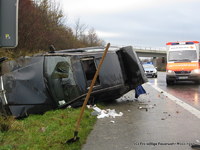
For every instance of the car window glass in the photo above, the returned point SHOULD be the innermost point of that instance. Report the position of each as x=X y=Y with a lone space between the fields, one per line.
x=60 y=79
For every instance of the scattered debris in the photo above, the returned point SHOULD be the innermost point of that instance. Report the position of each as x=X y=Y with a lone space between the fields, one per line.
x=69 y=106
x=112 y=121
x=177 y=112
x=105 y=113
x=89 y=106
x=109 y=113
x=163 y=118
x=143 y=108
x=97 y=109
x=96 y=112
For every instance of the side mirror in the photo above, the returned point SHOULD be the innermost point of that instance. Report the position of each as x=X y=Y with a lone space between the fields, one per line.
x=9 y=23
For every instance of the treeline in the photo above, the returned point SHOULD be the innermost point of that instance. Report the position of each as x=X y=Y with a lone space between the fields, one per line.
x=41 y=23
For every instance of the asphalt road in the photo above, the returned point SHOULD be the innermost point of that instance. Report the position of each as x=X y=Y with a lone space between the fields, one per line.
x=153 y=122
x=188 y=92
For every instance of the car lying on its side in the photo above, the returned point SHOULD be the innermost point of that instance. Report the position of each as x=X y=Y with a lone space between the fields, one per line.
x=150 y=70
x=37 y=84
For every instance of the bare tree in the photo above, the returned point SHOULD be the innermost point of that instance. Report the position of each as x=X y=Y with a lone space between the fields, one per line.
x=92 y=37
x=79 y=29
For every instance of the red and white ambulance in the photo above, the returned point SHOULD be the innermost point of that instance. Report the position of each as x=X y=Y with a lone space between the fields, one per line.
x=183 y=61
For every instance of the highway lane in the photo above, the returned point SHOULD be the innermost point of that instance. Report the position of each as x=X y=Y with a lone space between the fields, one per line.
x=188 y=92
x=163 y=121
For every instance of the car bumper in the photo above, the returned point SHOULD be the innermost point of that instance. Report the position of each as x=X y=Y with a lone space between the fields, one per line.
x=183 y=77
x=151 y=74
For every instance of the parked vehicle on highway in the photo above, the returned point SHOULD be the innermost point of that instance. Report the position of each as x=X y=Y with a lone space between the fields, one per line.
x=183 y=62
x=150 y=70
x=55 y=80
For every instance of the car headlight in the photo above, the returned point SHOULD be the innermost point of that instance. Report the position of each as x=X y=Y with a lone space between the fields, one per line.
x=195 y=71
x=170 y=72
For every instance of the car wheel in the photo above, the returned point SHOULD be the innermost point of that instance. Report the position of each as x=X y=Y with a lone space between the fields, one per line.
x=169 y=82
x=197 y=82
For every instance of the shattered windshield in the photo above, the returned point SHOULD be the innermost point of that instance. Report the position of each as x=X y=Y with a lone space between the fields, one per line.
x=183 y=55
x=60 y=78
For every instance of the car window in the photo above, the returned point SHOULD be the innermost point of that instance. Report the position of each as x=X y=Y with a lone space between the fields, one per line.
x=148 y=66
x=60 y=79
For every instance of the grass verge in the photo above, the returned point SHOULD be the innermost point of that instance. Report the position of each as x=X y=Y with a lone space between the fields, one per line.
x=45 y=132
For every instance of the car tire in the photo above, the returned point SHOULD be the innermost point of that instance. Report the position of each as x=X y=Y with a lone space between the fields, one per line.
x=169 y=82
x=197 y=82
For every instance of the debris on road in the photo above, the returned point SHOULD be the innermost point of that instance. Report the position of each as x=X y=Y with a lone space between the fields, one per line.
x=143 y=108
x=100 y=113
x=112 y=121
x=97 y=109
x=109 y=113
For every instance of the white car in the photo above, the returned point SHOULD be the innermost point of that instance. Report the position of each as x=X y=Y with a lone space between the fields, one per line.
x=150 y=70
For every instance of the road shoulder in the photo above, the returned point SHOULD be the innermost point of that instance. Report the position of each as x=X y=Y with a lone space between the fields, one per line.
x=152 y=122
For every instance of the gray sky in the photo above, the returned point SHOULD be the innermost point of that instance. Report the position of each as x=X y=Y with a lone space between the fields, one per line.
x=146 y=23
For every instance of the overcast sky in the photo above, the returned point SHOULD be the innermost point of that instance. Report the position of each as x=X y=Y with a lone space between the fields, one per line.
x=146 y=23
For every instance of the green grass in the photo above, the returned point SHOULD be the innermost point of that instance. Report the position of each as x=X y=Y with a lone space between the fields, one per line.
x=45 y=132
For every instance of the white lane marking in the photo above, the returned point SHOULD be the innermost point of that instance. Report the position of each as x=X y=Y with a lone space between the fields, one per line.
x=186 y=106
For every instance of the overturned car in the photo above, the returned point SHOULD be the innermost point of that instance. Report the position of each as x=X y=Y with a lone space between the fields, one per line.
x=37 y=84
